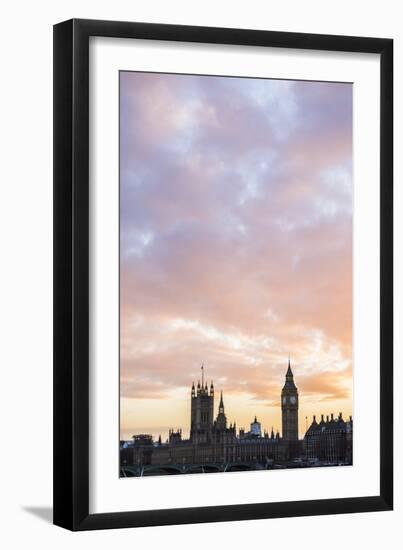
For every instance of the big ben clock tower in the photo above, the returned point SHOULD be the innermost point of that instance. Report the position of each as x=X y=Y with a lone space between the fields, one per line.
x=289 y=407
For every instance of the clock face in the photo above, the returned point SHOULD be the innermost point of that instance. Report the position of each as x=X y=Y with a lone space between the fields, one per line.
x=293 y=400
x=284 y=400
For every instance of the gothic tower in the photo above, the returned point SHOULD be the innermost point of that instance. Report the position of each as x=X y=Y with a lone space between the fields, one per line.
x=289 y=407
x=202 y=411
x=221 y=422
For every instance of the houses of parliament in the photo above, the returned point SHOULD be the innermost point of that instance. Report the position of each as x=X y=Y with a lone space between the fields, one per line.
x=213 y=445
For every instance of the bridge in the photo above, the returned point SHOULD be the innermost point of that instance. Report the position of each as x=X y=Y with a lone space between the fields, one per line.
x=177 y=469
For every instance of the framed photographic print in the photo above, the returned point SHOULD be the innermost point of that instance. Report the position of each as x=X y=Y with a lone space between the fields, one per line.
x=223 y=274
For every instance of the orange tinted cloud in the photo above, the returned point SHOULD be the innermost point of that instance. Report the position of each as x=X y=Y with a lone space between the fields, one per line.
x=236 y=236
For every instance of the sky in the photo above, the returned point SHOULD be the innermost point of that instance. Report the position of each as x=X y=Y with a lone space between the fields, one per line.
x=235 y=247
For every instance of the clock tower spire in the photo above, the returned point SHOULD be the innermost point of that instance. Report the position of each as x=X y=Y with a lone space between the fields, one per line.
x=289 y=407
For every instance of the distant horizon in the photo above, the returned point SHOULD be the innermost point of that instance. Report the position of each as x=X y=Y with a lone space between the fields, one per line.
x=235 y=246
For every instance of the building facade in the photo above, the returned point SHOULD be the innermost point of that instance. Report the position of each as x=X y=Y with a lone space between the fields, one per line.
x=330 y=440
x=289 y=407
x=202 y=412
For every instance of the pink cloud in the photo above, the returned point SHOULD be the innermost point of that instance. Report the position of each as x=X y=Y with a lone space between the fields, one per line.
x=236 y=234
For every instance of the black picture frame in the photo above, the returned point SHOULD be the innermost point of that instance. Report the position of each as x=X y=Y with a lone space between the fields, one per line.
x=71 y=274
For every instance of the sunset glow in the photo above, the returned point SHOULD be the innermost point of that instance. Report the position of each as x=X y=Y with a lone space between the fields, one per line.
x=235 y=246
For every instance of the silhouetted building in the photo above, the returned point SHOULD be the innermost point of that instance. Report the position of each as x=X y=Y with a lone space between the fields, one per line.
x=214 y=442
x=175 y=436
x=289 y=407
x=255 y=428
x=202 y=412
x=330 y=440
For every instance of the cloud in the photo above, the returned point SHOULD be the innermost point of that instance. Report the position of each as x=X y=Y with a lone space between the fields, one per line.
x=236 y=234
x=327 y=386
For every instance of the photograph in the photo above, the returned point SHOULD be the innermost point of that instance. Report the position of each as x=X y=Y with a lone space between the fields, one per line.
x=236 y=274
x=200 y=285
